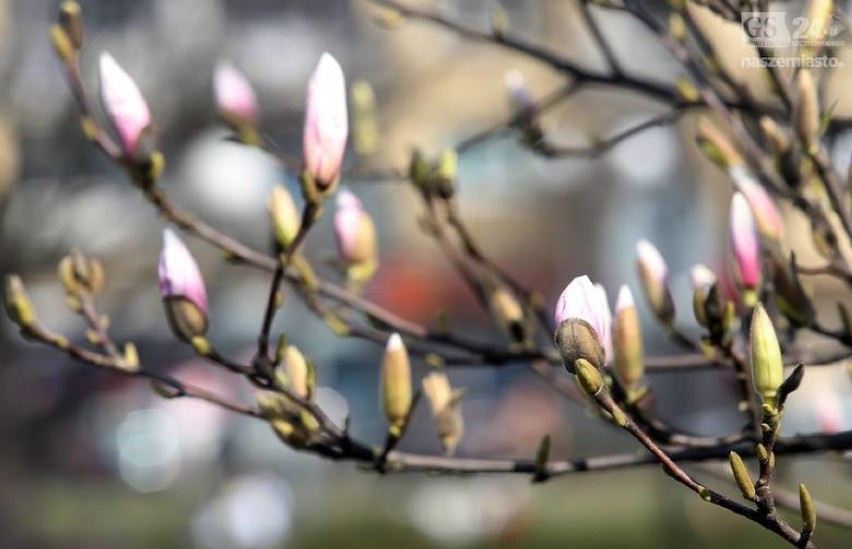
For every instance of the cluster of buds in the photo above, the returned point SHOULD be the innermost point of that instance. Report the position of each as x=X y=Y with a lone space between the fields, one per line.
x=436 y=178
x=294 y=424
x=237 y=102
x=183 y=292
x=80 y=274
x=446 y=409
x=355 y=233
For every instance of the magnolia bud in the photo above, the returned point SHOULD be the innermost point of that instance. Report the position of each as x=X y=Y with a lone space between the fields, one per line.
x=655 y=281
x=766 y=362
x=18 y=304
x=818 y=21
x=744 y=243
x=766 y=214
x=296 y=369
x=284 y=216
x=365 y=123
x=124 y=105
x=520 y=97
x=741 y=476
x=326 y=124
x=778 y=139
x=576 y=339
x=356 y=234
x=583 y=323
x=702 y=279
x=80 y=273
x=588 y=376
x=446 y=408
x=716 y=145
x=72 y=23
x=807 y=111
x=629 y=355
x=507 y=312
x=396 y=383
x=182 y=289
x=808 y=510
x=235 y=98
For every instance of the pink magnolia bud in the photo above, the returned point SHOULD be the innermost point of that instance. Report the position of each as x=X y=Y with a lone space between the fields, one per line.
x=655 y=280
x=326 y=123
x=766 y=214
x=124 y=105
x=179 y=273
x=701 y=277
x=583 y=300
x=353 y=227
x=234 y=95
x=744 y=241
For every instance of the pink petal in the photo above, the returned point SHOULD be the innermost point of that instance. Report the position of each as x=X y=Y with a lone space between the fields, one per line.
x=746 y=246
x=234 y=94
x=123 y=102
x=179 y=273
x=326 y=122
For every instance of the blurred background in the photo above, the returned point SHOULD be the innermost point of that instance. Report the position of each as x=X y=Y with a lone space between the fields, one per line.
x=92 y=460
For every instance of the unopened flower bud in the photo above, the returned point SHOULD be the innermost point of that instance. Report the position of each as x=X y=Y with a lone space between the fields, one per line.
x=807 y=116
x=235 y=98
x=654 y=275
x=766 y=362
x=588 y=376
x=629 y=354
x=808 y=510
x=583 y=323
x=779 y=141
x=520 y=97
x=741 y=476
x=770 y=224
x=326 y=124
x=703 y=280
x=418 y=169
x=793 y=300
x=72 y=22
x=296 y=369
x=716 y=145
x=507 y=312
x=396 y=383
x=124 y=105
x=355 y=232
x=446 y=409
x=182 y=289
x=744 y=243
x=284 y=216
x=18 y=304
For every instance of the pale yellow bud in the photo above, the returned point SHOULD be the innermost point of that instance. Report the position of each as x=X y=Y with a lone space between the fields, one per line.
x=284 y=216
x=807 y=111
x=629 y=353
x=296 y=369
x=446 y=408
x=396 y=383
x=716 y=145
x=766 y=361
x=18 y=304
